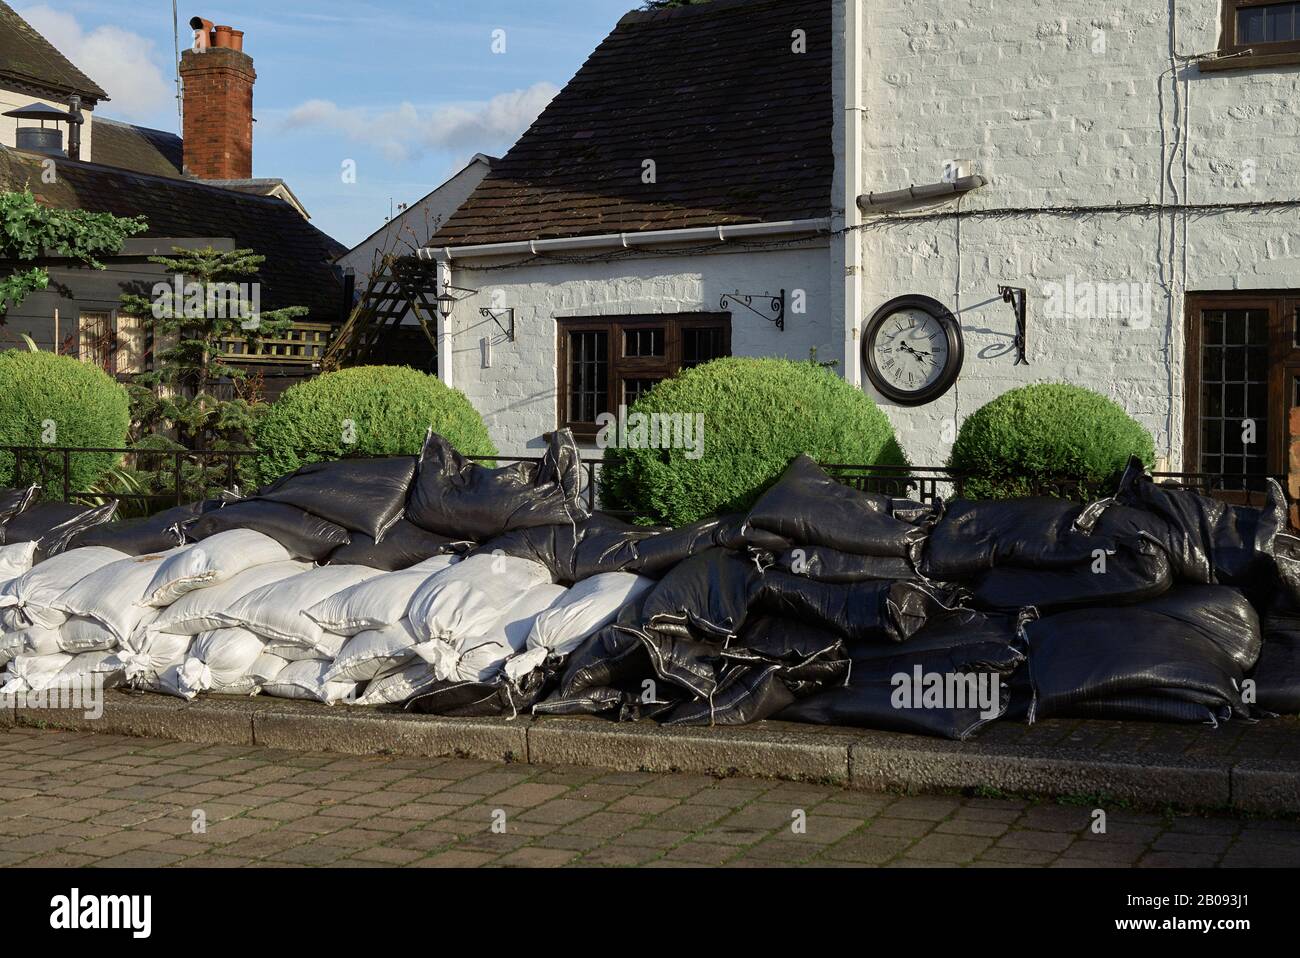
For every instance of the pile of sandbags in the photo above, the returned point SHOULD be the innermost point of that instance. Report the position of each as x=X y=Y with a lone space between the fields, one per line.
x=458 y=589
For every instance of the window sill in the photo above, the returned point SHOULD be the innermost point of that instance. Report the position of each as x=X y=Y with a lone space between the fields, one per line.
x=1255 y=61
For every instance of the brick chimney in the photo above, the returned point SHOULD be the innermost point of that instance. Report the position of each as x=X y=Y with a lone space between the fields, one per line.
x=218 y=83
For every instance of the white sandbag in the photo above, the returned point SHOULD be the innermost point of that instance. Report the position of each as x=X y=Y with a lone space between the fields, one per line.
x=218 y=661
x=306 y=680
x=212 y=562
x=32 y=673
x=35 y=594
x=266 y=668
x=326 y=646
x=200 y=611
x=144 y=665
x=402 y=683
x=88 y=668
x=113 y=594
x=469 y=598
x=81 y=634
x=582 y=612
x=377 y=603
x=16 y=559
x=368 y=655
x=33 y=640
x=275 y=612
x=480 y=658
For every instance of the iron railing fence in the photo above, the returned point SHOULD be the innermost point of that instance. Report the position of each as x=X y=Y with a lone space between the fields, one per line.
x=177 y=477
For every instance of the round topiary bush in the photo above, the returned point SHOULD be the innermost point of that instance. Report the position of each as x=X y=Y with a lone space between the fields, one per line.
x=51 y=400
x=758 y=415
x=365 y=411
x=1040 y=433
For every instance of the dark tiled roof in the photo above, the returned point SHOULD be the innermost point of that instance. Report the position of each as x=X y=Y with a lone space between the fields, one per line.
x=28 y=58
x=135 y=148
x=297 y=271
x=738 y=124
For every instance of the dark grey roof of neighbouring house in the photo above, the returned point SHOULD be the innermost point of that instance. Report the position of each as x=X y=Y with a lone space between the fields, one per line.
x=28 y=58
x=738 y=125
x=298 y=270
x=135 y=148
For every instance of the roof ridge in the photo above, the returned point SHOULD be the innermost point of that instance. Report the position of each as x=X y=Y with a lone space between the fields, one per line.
x=694 y=9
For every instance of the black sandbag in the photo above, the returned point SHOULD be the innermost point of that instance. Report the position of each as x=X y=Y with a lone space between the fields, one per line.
x=1209 y=540
x=615 y=657
x=829 y=565
x=804 y=653
x=361 y=495
x=1220 y=613
x=1132 y=573
x=859 y=612
x=1277 y=675
x=14 y=501
x=480 y=699
x=616 y=704
x=745 y=695
x=737 y=532
x=304 y=535
x=1286 y=580
x=885 y=694
x=707 y=596
x=1080 y=659
x=1152 y=708
x=137 y=537
x=405 y=545
x=660 y=553
x=456 y=497
x=952 y=630
x=52 y=525
x=974 y=537
x=695 y=665
x=808 y=507
x=574 y=552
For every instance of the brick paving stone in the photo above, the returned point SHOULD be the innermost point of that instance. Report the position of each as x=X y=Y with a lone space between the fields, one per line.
x=76 y=799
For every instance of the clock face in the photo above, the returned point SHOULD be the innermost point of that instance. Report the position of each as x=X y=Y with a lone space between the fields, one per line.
x=913 y=350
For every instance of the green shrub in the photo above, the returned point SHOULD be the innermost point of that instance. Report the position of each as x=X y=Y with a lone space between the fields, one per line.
x=1045 y=432
x=759 y=414
x=365 y=411
x=51 y=400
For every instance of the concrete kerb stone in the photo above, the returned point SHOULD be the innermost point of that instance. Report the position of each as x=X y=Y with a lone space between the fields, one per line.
x=7 y=708
x=886 y=762
x=771 y=750
x=314 y=727
x=1266 y=785
x=151 y=716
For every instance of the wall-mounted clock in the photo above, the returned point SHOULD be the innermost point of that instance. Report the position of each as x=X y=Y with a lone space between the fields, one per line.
x=912 y=350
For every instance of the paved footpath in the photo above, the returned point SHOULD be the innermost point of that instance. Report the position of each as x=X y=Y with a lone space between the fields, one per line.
x=69 y=799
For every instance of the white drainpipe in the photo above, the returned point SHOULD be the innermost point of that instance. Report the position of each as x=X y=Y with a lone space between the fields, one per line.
x=854 y=72
x=446 y=366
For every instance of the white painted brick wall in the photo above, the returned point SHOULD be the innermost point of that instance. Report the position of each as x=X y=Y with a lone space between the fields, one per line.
x=517 y=395
x=1016 y=87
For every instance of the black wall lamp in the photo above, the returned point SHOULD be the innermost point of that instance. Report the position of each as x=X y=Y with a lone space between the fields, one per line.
x=1018 y=297
x=775 y=305
x=447 y=302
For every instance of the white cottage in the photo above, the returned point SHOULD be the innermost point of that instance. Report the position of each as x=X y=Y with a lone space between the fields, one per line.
x=671 y=205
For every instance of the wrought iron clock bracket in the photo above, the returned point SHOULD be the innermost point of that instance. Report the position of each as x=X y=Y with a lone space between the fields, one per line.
x=775 y=304
x=1018 y=297
x=496 y=315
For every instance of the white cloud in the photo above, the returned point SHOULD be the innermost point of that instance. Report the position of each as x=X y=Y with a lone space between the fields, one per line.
x=462 y=127
x=123 y=63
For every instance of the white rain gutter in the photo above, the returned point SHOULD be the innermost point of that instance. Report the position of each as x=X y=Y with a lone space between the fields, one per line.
x=720 y=234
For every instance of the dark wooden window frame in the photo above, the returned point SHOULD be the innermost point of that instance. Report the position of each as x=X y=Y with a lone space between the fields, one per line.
x=1265 y=54
x=1284 y=366
x=621 y=367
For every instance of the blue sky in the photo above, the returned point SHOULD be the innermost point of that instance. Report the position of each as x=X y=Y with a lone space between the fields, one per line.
x=408 y=90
